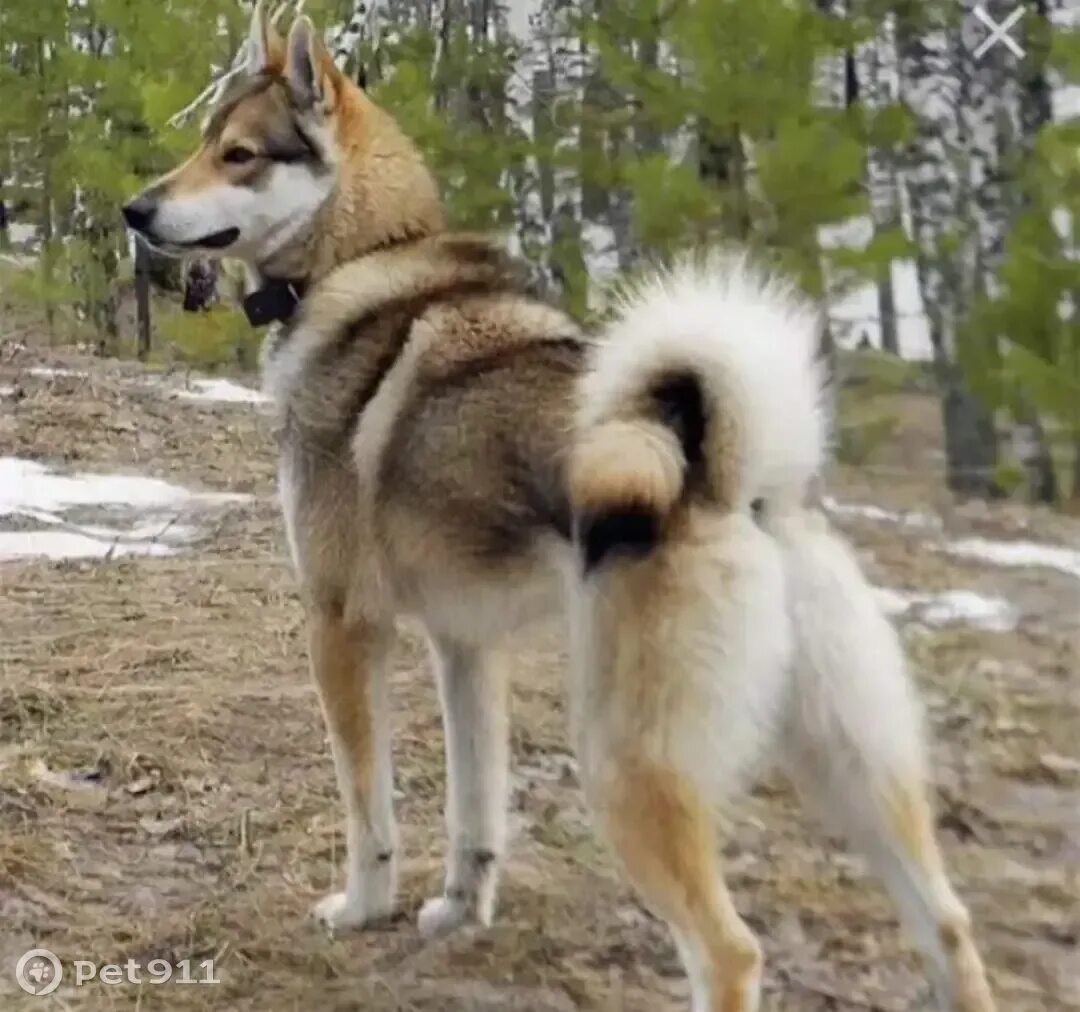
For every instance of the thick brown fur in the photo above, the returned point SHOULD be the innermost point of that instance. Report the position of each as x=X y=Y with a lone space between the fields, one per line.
x=444 y=396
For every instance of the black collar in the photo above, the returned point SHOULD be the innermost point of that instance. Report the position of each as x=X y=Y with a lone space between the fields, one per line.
x=276 y=300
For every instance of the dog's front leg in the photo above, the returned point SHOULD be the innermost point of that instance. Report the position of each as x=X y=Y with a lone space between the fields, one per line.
x=349 y=660
x=473 y=692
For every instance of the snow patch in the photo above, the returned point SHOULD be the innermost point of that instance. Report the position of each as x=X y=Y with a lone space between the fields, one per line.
x=58 y=545
x=950 y=607
x=31 y=491
x=1018 y=553
x=992 y=613
x=48 y=372
x=867 y=511
x=892 y=602
x=28 y=485
x=222 y=391
x=162 y=527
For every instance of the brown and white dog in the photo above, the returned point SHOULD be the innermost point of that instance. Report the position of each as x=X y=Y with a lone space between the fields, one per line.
x=454 y=450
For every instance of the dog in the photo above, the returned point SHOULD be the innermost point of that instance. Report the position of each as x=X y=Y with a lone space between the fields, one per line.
x=455 y=450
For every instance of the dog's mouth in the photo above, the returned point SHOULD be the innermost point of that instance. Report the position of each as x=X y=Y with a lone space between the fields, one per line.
x=215 y=240
x=172 y=247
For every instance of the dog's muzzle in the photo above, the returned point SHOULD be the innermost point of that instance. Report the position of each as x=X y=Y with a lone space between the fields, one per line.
x=139 y=217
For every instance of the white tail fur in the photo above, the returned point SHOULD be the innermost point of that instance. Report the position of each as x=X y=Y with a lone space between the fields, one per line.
x=738 y=632
x=742 y=342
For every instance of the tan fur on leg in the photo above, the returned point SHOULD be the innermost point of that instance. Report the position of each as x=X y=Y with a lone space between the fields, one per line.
x=913 y=826
x=665 y=837
x=348 y=660
x=891 y=822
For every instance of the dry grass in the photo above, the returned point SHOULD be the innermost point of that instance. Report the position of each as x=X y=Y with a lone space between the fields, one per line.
x=165 y=789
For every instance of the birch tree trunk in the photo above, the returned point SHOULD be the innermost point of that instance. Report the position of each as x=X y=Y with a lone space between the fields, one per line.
x=875 y=88
x=526 y=179
x=953 y=182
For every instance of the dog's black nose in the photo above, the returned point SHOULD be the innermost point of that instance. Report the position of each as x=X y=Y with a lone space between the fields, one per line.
x=140 y=212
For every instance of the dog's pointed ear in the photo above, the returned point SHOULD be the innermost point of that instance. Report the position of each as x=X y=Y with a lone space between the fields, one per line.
x=309 y=68
x=264 y=45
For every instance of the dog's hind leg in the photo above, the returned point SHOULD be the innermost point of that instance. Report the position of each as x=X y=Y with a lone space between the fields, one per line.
x=663 y=832
x=349 y=660
x=473 y=692
x=681 y=663
x=854 y=747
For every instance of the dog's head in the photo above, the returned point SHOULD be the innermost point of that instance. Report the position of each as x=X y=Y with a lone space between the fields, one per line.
x=268 y=158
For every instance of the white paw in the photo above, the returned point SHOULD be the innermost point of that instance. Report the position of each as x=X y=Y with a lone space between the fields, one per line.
x=337 y=912
x=442 y=915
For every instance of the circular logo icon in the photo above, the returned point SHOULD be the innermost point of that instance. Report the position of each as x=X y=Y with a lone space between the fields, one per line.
x=39 y=972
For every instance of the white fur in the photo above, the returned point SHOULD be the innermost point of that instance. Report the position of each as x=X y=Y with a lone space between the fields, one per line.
x=720 y=638
x=473 y=696
x=752 y=339
x=697 y=686
x=770 y=639
x=852 y=687
x=696 y=964
x=854 y=740
x=269 y=218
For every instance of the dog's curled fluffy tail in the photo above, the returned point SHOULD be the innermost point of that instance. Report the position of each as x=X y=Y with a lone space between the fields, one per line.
x=706 y=388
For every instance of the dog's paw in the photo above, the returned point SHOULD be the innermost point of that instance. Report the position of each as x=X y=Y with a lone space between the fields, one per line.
x=442 y=915
x=337 y=912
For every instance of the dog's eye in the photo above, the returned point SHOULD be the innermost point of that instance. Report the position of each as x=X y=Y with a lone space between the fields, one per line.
x=238 y=155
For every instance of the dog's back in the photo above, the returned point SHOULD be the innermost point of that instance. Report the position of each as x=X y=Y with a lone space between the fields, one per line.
x=425 y=398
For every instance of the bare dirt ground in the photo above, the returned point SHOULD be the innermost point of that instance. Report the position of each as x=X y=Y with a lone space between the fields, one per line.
x=166 y=791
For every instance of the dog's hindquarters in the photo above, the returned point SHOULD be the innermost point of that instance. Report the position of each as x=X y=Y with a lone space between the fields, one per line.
x=853 y=745
x=681 y=646
x=680 y=661
x=727 y=642
x=716 y=613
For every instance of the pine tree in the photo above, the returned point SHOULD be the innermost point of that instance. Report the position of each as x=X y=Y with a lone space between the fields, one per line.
x=85 y=105
x=1035 y=301
x=599 y=135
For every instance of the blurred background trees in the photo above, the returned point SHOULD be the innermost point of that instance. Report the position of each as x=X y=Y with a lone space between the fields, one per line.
x=925 y=194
